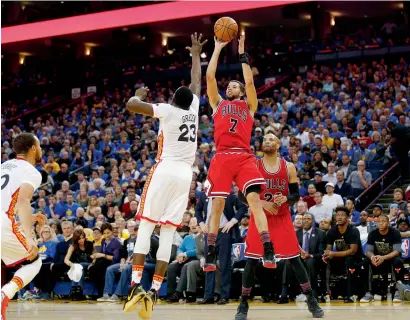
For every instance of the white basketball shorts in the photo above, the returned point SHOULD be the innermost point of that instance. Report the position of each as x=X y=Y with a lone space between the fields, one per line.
x=165 y=196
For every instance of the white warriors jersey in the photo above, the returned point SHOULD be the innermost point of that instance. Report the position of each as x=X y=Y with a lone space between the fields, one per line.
x=177 y=133
x=15 y=173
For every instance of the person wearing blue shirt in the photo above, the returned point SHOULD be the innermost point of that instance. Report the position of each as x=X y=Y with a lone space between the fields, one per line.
x=56 y=208
x=47 y=251
x=42 y=205
x=98 y=192
x=185 y=253
x=70 y=207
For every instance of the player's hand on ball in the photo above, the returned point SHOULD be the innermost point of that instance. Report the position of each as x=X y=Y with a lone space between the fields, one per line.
x=241 y=47
x=219 y=44
x=197 y=45
x=142 y=93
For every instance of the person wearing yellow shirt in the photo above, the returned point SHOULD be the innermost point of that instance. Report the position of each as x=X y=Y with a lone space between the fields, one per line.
x=53 y=164
x=326 y=139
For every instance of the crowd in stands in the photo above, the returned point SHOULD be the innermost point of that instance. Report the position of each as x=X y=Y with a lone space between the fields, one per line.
x=336 y=124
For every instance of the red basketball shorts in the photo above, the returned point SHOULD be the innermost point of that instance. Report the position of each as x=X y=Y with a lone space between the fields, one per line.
x=283 y=236
x=228 y=167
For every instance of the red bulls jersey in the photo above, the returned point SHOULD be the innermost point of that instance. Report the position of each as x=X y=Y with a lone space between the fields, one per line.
x=233 y=125
x=276 y=182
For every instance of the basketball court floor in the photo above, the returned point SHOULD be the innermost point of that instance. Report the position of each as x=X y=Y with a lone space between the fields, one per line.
x=67 y=310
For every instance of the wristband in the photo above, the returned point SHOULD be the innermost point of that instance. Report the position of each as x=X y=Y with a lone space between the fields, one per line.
x=244 y=58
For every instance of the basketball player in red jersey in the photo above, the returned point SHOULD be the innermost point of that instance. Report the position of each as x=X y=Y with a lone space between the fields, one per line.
x=233 y=161
x=281 y=190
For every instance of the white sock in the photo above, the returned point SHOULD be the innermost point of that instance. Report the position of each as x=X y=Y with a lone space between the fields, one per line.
x=21 y=278
x=136 y=274
x=157 y=282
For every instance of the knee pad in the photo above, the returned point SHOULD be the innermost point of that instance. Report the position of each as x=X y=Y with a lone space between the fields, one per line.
x=254 y=188
x=143 y=243
x=165 y=243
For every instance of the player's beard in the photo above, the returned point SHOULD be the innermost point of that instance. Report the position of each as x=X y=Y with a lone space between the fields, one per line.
x=38 y=157
x=270 y=150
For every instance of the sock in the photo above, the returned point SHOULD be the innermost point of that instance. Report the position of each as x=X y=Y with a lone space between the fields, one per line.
x=21 y=278
x=157 y=282
x=136 y=274
x=211 y=239
x=306 y=289
x=246 y=292
x=265 y=236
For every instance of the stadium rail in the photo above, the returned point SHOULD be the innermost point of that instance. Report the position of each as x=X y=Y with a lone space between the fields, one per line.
x=372 y=187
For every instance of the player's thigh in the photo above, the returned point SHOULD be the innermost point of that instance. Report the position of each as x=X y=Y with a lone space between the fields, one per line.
x=151 y=205
x=177 y=198
x=254 y=248
x=13 y=246
x=247 y=173
x=220 y=176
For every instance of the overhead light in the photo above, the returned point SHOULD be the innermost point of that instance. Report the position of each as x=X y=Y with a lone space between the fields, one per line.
x=170 y=51
x=332 y=21
x=164 y=40
x=190 y=54
x=242 y=32
x=22 y=59
x=87 y=51
x=203 y=55
x=276 y=53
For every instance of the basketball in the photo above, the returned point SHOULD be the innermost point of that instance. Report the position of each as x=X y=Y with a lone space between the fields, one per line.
x=226 y=29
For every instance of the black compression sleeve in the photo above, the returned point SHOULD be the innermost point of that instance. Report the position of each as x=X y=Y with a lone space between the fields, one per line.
x=293 y=193
x=242 y=198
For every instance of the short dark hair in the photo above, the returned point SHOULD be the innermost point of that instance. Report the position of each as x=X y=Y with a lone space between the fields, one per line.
x=241 y=85
x=183 y=97
x=105 y=226
x=384 y=216
x=344 y=209
x=23 y=142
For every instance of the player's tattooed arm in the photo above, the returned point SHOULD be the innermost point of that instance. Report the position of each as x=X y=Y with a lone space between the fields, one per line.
x=196 y=74
x=251 y=96
x=211 y=85
x=135 y=104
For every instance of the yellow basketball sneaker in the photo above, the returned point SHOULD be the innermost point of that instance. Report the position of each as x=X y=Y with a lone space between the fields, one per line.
x=148 y=302
x=135 y=295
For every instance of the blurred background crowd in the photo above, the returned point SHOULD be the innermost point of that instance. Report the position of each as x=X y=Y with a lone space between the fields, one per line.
x=338 y=101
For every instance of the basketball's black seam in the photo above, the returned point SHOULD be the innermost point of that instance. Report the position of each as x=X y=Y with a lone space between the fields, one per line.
x=222 y=35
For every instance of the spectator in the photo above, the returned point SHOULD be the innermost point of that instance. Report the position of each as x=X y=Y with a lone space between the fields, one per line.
x=346 y=167
x=320 y=211
x=97 y=235
x=312 y=242
x=243 y=227
x=124 y=268
x=354 y=214
x=384 y=250
x=342 y=188
x=363 y=154
x=98 y=191
x=58 y=267
x=301 y=208
x=298 y=222
x=185 y=253
x=320 y=185
x=47 y=249
x=398 y=195
x=400 y=141
x=331 y=199
x=364 y=227
x=348 y=254
x=403 y=225
x=325 y=224
x=310 y=198
x=79 y=252
x=331 y=175
x=110 y=254
x=360 y=179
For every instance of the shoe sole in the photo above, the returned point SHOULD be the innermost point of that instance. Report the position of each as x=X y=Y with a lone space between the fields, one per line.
x=209 y=268
x=241 y=317
x=145 y=312
x=319 y=315
x=132 y=304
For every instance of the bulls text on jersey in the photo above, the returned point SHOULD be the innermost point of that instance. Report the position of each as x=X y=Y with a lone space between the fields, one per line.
x=278 y=184
x=233 y=109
